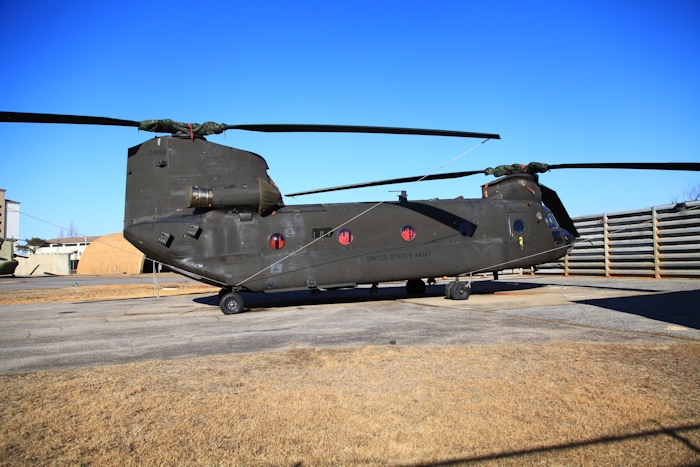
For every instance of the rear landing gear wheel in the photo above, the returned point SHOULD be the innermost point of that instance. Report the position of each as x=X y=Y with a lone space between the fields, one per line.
x=373 y=290
x=415 y=287
x=460 y=290
x=231 y=303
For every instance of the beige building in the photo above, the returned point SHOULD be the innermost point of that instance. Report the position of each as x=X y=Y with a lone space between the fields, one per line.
x=106 y=255
x=112 y=254
x=74 y=247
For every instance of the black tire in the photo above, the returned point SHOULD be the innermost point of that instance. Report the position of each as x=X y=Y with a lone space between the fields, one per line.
x=460 y=291
x=231 y=303
x=223 y=292
x=415 y=287
x=448 y=289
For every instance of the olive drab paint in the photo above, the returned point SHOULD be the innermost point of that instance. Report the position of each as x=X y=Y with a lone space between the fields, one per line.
x=233 y=240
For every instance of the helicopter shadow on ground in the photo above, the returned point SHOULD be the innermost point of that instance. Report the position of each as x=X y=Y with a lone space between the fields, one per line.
x=678 y=433
x=360 y=294
x=613 y=287
x=679 y=308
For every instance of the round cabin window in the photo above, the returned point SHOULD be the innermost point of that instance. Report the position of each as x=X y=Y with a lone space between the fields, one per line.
x=408 y=233
x=276 y=241
x=518 y=226
x=345 y=237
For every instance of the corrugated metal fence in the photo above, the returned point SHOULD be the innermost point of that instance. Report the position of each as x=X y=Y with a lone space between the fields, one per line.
x=662 y=241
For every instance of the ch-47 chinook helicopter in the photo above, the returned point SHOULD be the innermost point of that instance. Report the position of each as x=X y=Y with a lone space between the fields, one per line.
x=212 y=213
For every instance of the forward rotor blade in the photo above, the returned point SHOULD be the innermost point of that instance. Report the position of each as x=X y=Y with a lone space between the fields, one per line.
x=532 y=168
x=690 y=166
x=390 y=182
x=21 y=117
x=289 y=128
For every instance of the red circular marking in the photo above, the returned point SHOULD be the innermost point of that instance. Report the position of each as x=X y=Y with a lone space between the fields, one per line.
x=345 y=237
x=276 y=241
x=408 y=233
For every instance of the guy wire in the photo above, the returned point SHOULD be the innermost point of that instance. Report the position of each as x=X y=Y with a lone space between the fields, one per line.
x=360 y=214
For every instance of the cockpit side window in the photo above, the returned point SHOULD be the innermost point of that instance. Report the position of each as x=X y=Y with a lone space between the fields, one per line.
x=551 y=221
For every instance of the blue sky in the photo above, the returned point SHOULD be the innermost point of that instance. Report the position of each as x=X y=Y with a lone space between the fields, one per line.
x=561 y=82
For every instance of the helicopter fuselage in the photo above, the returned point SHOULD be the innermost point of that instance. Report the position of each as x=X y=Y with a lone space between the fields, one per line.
x=200 y=208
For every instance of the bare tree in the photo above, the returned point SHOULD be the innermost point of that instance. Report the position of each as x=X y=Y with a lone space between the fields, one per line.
x=689 y=194
x=72 y=229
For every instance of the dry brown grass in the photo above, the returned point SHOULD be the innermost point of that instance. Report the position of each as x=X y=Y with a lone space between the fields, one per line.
x=559 y=404
x=101 y=292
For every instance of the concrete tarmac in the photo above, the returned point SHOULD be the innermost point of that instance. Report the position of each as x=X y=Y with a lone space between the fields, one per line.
x=520 y=310
x=54 y=282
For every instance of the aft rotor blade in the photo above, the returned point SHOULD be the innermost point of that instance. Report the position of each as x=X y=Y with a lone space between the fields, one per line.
x=390 y=182
x=163 y=126
x=690 y=166
x=294 y=128
x=21 y=117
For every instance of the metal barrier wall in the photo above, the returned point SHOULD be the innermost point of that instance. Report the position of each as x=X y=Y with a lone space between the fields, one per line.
x=663 y=241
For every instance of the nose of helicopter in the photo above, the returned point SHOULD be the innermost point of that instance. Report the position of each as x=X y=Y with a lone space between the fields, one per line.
x=568 y=240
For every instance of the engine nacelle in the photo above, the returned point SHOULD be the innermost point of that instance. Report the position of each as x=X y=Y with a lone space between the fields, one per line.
x=263 y=195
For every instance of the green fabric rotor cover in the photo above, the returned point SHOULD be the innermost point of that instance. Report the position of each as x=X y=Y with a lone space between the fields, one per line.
x=170 y=126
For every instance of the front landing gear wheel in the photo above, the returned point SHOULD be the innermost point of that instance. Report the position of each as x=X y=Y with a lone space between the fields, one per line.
x=223 y=292
x=415 y=287
x=231 y=303
x=460 y=290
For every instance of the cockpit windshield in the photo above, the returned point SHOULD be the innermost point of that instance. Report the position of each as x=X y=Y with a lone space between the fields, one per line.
x=551 y=220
